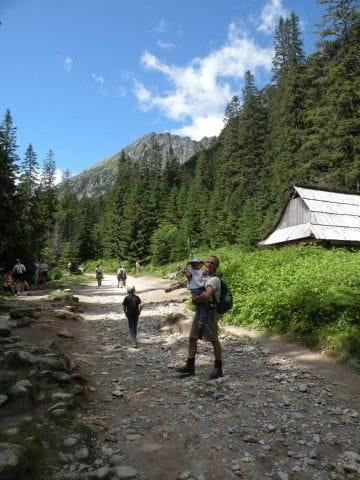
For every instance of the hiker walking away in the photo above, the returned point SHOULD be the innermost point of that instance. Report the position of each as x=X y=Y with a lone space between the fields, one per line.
x=99 y=275
x=43 y=271
x=121 y=276
x=132 y=306
x=209 y=327
x=137 y=267
x=196 y=284
x=18 y=274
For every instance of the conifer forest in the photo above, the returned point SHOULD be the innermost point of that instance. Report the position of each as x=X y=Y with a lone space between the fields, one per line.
x=301 y=128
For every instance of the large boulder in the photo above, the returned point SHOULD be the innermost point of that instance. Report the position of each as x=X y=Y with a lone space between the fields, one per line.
x=20 y=358
x=31 y=312
x=12 y=461
x=5 y=330
x=54 y=363
x=21 y=389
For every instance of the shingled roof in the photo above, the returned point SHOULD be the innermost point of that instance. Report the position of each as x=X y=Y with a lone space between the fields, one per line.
x=318 y=214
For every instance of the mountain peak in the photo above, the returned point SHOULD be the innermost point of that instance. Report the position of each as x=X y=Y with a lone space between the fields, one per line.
x=98 y=179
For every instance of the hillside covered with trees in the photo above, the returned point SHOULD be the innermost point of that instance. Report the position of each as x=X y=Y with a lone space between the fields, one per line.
x=303 y=127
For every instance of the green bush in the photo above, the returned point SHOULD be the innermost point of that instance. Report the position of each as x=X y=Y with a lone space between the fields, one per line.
x=56 y=273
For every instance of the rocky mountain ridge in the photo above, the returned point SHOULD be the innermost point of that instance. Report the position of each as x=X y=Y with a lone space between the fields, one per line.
x=98 y=179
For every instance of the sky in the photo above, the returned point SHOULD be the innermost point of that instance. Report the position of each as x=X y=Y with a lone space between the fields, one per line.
x=86 y=78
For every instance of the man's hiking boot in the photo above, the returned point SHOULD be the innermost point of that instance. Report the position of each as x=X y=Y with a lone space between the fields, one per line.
x=217 y=372
x=188 y=370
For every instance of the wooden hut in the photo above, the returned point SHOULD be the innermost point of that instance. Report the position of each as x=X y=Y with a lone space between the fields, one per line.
x=324 y=216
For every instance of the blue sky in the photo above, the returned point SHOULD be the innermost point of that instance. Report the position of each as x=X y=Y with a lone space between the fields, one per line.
x=87 y=77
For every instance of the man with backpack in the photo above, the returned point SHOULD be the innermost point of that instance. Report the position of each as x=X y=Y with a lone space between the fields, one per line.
x=219 y=299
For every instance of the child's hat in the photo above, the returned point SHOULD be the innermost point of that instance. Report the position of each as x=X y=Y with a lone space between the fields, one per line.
x=196 y=260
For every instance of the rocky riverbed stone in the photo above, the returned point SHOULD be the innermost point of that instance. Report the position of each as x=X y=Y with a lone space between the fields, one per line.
x=124 y=472
x=12 y=461
x=3 y=400
x=100 y=473
x=65 y=334
x=20 y=358
x=21 y=389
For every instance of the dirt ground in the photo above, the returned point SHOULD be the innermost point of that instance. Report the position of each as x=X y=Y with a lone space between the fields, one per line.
x=280 y=411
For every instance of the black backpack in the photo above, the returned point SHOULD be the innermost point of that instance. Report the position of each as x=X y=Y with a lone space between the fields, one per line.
x=225 y=302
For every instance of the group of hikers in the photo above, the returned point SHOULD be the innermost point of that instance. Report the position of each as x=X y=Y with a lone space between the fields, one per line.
x=211 y=298
x=121 y=276
x=15 y=280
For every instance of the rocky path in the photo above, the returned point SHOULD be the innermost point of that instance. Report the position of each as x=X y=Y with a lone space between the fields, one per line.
x=271 y=416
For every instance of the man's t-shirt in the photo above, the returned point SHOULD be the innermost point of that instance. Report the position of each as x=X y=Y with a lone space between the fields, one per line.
x=214 y=282
x=19 y=268
x=131 y=304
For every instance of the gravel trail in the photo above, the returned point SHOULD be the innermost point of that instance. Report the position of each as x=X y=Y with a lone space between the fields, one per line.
x=273 y=415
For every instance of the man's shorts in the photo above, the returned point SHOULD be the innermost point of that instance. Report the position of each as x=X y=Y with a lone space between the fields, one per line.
x=19 y=277
x=205 y=329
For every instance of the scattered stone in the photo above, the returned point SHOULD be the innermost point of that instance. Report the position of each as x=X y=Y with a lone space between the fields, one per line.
x=303 y=388
x=184 y=476
x=61 y=377
x=70 y=442
x=82 y=454
x=3 y=400
x=17 y=313
x=116 y=460
x=65 y=334
x=283 y=475
x=22 y=322
x=5 y=330
x=12 y=461
x=21 y=389
x=125 y=472
x=20 y=358
x=61 y=396
x=101 y=473
x=250 y=439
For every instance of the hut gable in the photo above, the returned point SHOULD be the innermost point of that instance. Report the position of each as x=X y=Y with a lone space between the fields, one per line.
x=318 y=214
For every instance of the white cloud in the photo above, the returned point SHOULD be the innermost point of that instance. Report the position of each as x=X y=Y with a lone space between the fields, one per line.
x=272 y=10
x=58 y=176
x=201 y=89
x=161 y=27
x=98 y=79
x=201 y=127
x=67 y=64
x=165 y=45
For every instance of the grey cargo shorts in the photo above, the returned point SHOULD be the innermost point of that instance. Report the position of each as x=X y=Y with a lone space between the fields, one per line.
x=205 y=329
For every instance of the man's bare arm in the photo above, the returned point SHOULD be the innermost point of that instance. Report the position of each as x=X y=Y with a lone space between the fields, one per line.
x=205 y=296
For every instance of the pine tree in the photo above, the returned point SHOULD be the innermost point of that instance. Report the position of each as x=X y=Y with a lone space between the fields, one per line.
x=29 y=173
x=331 y=149
x=8 y=214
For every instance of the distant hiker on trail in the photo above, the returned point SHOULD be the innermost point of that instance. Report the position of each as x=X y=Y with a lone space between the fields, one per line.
x=132 y=306
x=18 y=274
x=196 y=284
x=137 y=267
x=208 y=328
x=99 y=275
x=121 y=276
x=41 y=269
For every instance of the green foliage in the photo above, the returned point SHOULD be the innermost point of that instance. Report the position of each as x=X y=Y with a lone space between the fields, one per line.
x=163 y=244
x=306 y=292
